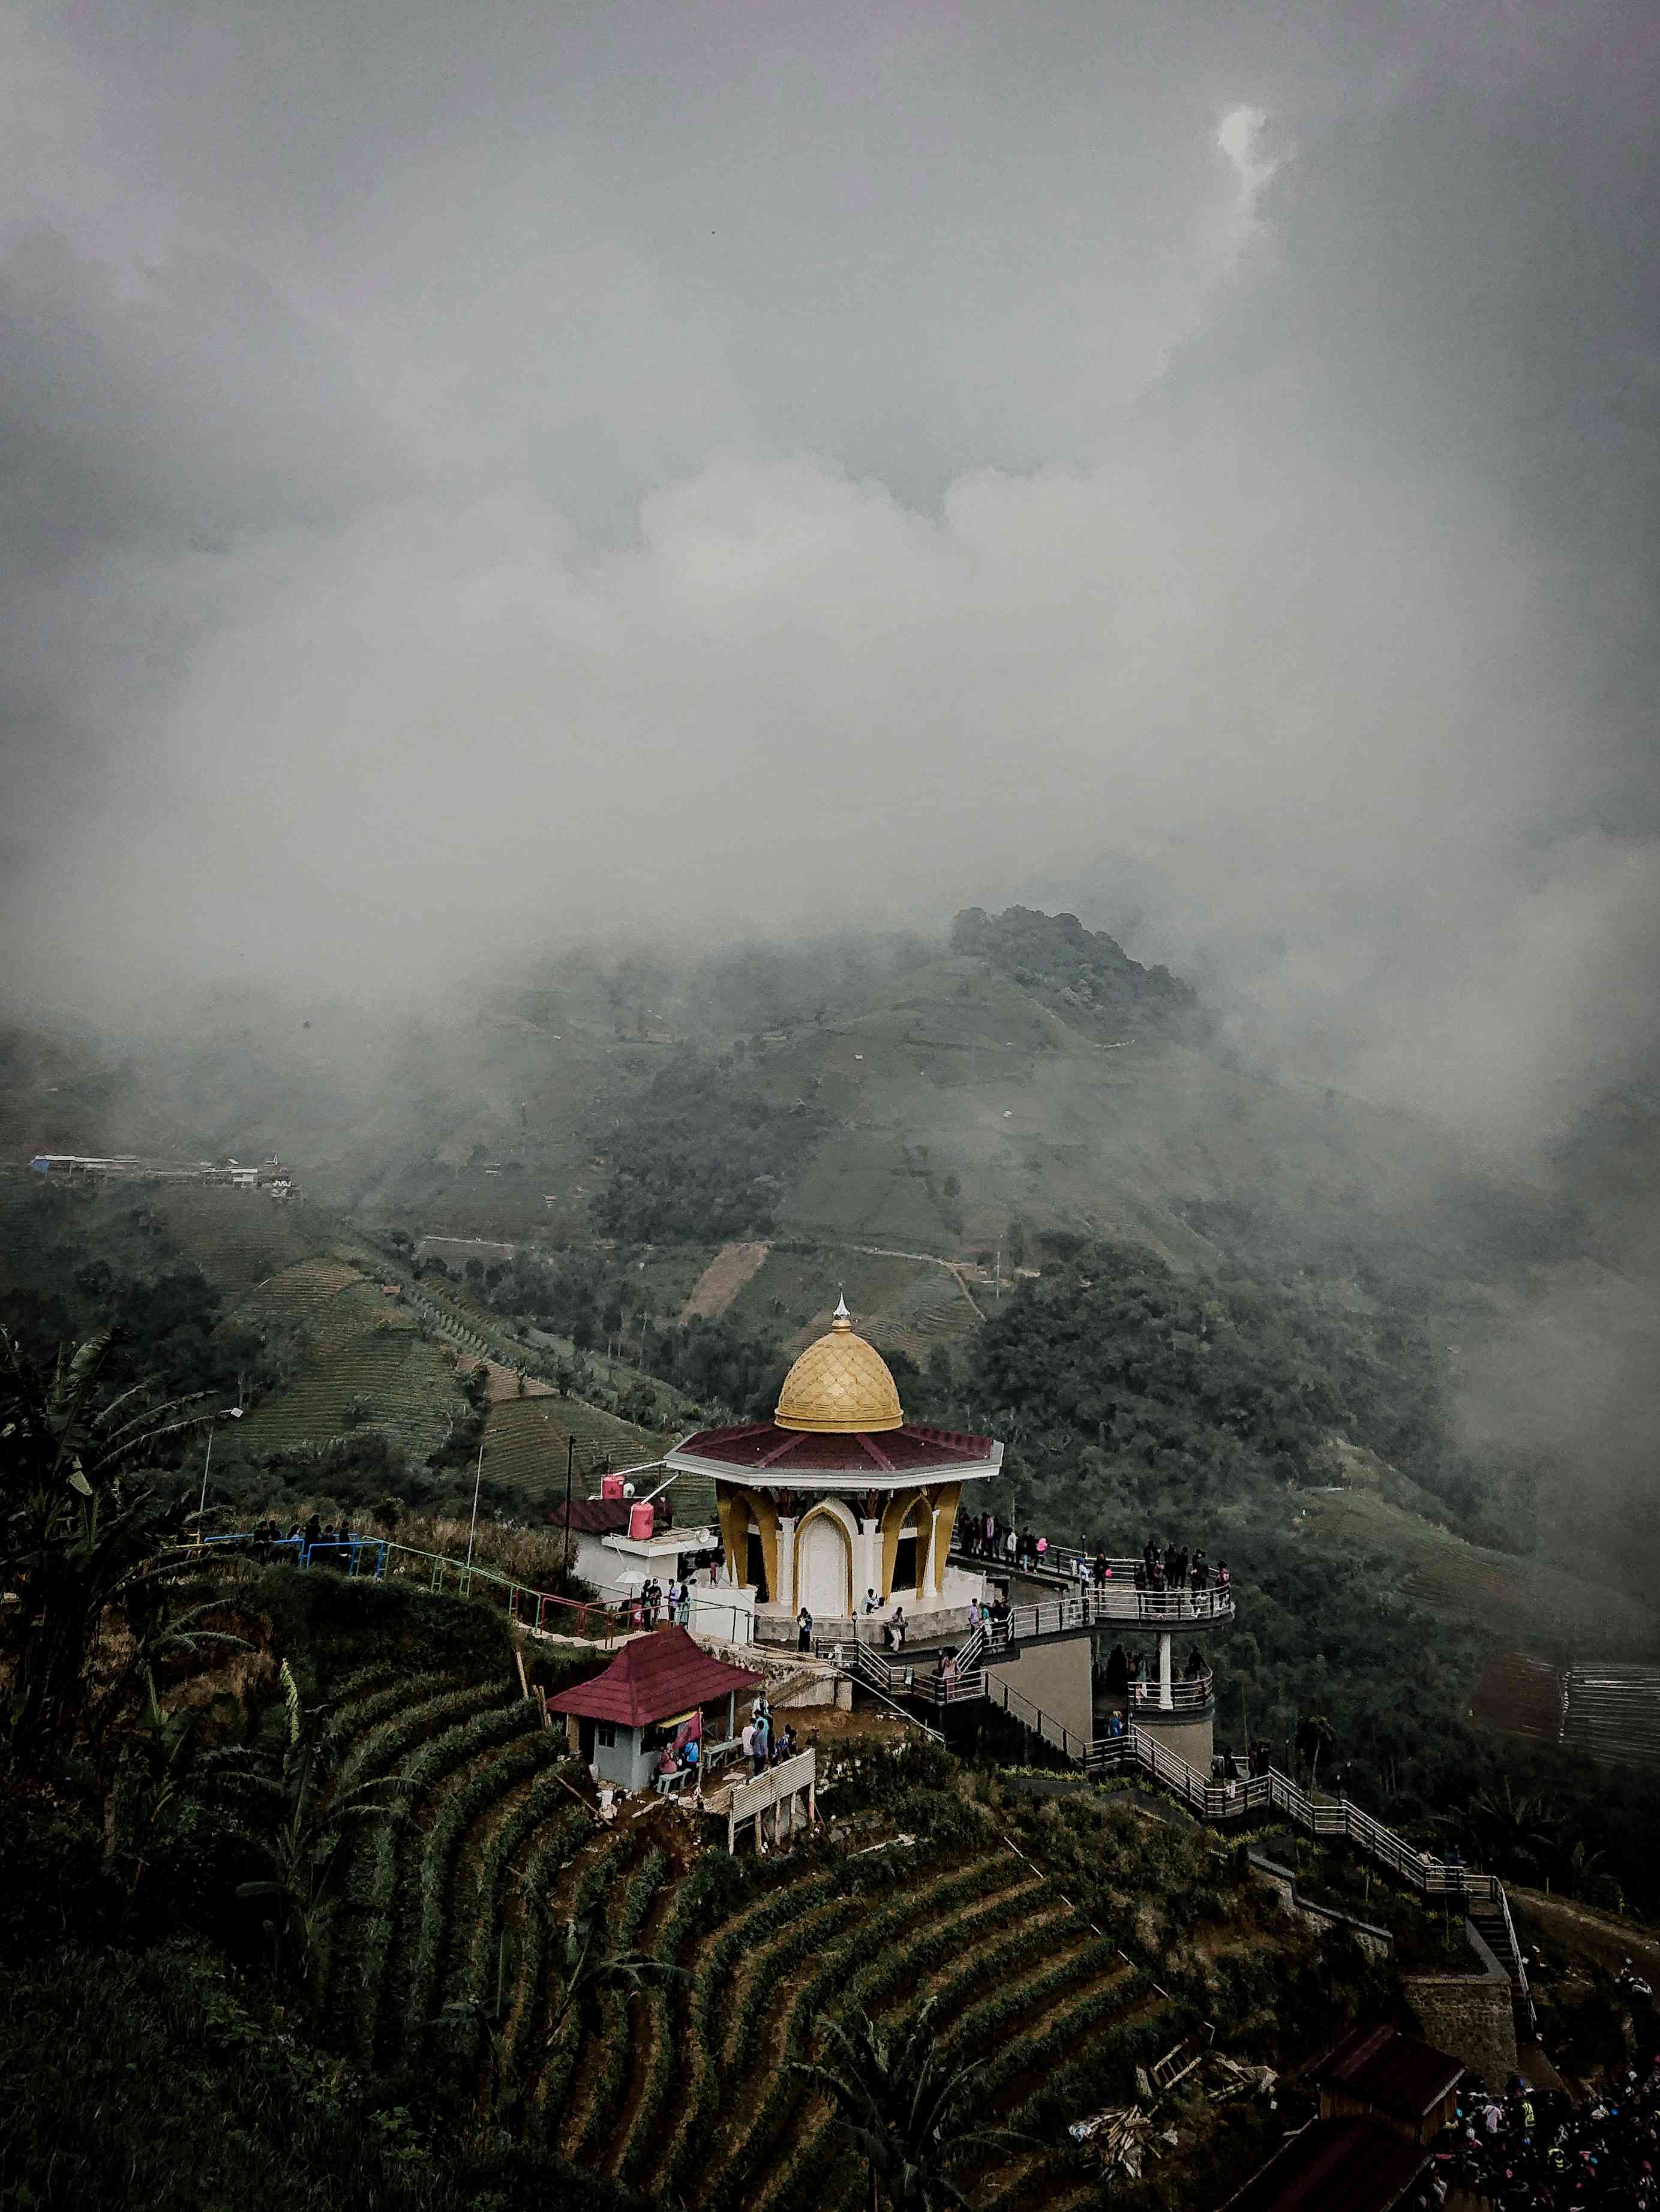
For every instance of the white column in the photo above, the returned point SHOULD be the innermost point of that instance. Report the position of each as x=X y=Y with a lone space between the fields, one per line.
x=784 y=1596
x=1165 y=1697
x=868 y=1579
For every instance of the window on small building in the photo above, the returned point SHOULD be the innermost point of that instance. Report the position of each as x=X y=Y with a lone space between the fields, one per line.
x=604 y=1734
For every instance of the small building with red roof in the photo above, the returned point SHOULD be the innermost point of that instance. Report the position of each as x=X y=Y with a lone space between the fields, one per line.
x=655 y=1692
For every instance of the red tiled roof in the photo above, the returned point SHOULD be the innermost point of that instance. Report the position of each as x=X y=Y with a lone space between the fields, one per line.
x=1392 y=2071
x=1335 y=2165
x=594 y=1517
x=650 y=1678
x=762 y=1447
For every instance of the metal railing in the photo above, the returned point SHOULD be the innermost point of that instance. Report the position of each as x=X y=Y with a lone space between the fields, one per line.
x=1111 y=1605
x=381 y=1559
x=1226 y=1802
x=1117 y=1598
x=1189 y=1694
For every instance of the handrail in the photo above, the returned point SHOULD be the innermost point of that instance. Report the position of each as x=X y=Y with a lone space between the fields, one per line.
x=1189 y=1694
x=437 y=1567
x=1225 y=1801
x=1099 y=1605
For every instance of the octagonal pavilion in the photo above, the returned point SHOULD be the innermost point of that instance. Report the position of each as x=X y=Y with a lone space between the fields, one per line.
x=838 y=1495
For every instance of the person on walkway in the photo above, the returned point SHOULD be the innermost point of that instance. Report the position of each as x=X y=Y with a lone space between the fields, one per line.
x=746 y=1744
x=1101 y=1567
x=314 y=1531
x=1115 y=1722
x=1180 y=1579
x=898 y=1627
x=804 y=1631
x=947 y=1676
x=873 y=1603
x=761 y=1742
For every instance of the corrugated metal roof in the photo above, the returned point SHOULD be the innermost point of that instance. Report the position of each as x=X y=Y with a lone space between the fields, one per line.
x=1391 y=2070
x=594 y=1517
x=667 y=1672
x=1335 y=2165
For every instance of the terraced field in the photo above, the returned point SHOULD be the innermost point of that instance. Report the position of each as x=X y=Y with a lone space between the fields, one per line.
x=1520 y=1694
x=408 y=1387
x=525 y=1444
x=239 y=1237
x=1613 y=1714
x=442 y=1959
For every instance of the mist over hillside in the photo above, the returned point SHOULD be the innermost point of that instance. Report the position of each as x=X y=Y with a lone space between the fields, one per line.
x=999 y=1093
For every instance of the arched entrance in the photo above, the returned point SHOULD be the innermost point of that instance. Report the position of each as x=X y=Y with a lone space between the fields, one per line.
x=822 y=1585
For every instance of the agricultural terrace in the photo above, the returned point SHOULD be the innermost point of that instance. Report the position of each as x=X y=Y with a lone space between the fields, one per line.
x=1070 y=1937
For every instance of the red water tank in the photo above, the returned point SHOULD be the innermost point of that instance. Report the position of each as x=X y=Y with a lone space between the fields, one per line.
x=610 y=1486
x=642 y=1519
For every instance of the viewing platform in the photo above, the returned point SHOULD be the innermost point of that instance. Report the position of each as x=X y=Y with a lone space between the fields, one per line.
x=1115 y=1603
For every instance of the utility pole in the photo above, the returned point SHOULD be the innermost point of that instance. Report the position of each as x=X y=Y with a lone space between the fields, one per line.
x=477 y=1480
x=570 y=1468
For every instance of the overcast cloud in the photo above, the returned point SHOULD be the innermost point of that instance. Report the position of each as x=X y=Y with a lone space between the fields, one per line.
x=468 y=474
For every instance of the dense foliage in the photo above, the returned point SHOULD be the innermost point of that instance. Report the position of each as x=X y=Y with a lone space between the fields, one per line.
x=1082 y=973
x=1175 y=1392
x=700 y=1154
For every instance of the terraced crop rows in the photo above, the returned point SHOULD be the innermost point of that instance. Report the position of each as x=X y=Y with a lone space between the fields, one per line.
x=525 y=1442
x=407 y=1386
x=446 y=1950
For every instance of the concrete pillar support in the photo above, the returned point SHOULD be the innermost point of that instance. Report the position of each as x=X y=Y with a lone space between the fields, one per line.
x=1166 y=1694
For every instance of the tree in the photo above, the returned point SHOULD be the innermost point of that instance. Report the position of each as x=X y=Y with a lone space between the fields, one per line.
x=78 y=1522
x=905 y=2108
x=1517 y=1832
x=290 y=1813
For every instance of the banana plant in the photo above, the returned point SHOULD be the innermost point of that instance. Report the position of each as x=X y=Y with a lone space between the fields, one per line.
x=77 y=1519
x=904 y=2107
x=292 y=1816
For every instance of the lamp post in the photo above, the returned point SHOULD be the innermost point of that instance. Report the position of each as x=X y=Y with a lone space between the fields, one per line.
x=234 y=1414
x=570 y=1465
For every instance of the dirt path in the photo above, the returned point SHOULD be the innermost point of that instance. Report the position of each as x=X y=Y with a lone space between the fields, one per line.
x=722 y=1280
x=889 y=1252
x=1600 y=1935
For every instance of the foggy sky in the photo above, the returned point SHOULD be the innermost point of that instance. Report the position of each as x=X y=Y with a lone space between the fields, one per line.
x=469 y=476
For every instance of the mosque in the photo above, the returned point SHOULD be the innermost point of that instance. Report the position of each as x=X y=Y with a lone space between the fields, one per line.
x=840 y=1505
x=838 y=1499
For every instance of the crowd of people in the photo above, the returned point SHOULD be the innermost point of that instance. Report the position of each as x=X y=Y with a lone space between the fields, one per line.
x=269 y=1540
x=1161 y=1568
x=657 y=1605
x=1540 y=2151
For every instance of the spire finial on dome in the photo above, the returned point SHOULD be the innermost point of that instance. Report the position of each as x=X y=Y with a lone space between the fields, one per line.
x=842 y=1320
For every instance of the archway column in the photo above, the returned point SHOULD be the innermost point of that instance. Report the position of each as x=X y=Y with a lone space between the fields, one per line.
x=784 y=1596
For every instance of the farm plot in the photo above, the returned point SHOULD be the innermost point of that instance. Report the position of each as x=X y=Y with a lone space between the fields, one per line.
x=446 y=1963
x=1522 y=1695
x=383 y=1379
x=1613 y=1714
x=525 y=1445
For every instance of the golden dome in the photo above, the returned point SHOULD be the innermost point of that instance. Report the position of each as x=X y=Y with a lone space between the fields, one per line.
x=840 y=1386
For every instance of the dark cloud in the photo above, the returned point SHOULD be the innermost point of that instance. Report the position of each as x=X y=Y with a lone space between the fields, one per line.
x=465 y=476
